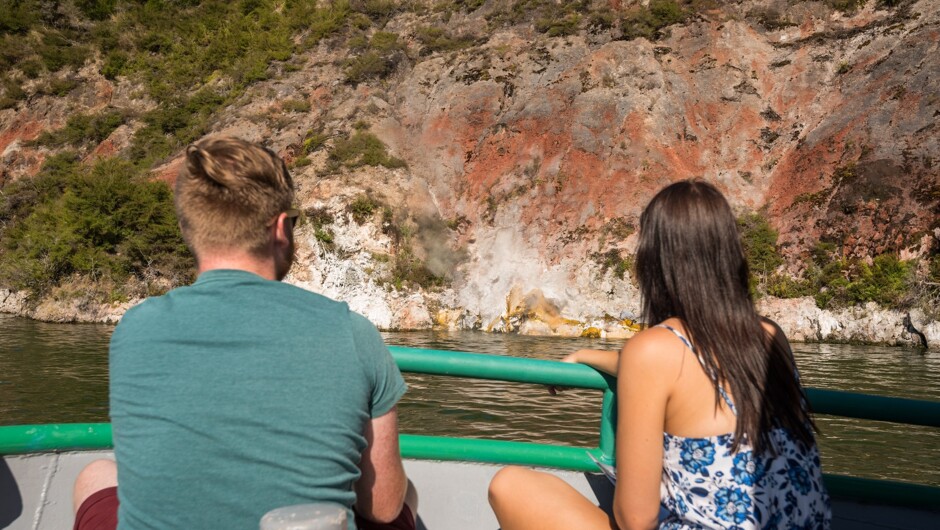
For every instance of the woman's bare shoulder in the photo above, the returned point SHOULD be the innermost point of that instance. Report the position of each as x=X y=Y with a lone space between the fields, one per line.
x=654 y=347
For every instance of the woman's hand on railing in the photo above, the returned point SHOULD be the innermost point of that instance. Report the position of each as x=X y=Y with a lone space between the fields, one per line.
x=602 y=360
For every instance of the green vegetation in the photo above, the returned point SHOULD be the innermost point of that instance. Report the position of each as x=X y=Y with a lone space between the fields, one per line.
x=362 y=208
x=614 y=260
x=846 y=5
x=59 y=86
x=409 y=269
x=832 y=279
x=192 y=57
x=99 y=222
x=567 y=18
x=83 y=128
x=436 y=40
x=409 y=266
x=760 y=247
x=558 y=22
x=361 y=149
x=10 y=94
x=295 y=105
x=320 y=218
x=549 y=17
x=314 y=140
x=835 y=281
x=379 y=57
x=649 y=22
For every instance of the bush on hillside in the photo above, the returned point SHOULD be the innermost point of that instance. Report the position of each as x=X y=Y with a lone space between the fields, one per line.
x=649 y=21
x=760 y=247
x=378 y=59
x=361 y=149
x=101 y=222
x=83 y=128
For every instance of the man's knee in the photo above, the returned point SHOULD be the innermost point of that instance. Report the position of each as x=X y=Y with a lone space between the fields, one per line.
x=96 y=476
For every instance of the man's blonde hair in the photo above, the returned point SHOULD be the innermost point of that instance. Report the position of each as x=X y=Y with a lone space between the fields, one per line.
x=228 y=194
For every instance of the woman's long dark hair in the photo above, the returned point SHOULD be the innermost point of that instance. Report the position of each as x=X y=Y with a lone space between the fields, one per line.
x=690 y=265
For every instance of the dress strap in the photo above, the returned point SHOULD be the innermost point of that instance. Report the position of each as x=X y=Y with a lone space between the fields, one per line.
x=711 y=374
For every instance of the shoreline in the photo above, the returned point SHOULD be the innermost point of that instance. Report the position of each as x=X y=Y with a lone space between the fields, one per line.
x=799 y=318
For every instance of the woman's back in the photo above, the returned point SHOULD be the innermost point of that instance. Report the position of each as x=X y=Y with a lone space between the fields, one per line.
x=706 y=482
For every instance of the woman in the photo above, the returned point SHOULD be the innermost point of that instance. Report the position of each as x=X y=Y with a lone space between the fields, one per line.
x=712 y=420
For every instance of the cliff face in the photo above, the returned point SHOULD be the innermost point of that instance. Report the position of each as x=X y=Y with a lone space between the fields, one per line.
x=529 y=157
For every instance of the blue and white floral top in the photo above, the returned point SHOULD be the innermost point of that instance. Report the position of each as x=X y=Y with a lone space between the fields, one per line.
x=706 y=486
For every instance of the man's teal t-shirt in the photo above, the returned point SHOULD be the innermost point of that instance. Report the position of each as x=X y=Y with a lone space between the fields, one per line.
x=237 y=395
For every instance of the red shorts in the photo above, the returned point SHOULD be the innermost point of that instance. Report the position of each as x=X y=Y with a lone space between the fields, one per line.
x=99 y=511
x=404 y=521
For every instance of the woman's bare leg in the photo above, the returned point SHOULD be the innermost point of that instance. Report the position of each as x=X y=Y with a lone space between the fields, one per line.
x=524 y=499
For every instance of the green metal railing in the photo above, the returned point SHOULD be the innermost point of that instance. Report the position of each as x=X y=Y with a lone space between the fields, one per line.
x=38 y=438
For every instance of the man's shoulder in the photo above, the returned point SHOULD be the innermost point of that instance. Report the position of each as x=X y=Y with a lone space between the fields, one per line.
x=313 y=297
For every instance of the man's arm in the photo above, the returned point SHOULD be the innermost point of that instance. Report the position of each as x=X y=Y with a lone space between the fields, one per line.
x=380 y=490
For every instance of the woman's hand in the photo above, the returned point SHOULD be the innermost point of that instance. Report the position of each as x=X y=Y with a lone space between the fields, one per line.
x=602 y=360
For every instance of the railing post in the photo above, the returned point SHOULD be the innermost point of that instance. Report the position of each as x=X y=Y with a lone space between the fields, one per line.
x=608 y=428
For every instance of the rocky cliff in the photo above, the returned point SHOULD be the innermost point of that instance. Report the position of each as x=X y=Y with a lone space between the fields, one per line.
x=510 y=166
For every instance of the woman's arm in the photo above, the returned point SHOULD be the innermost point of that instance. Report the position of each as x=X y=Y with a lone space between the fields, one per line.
x=645 y=378
x=603 y=360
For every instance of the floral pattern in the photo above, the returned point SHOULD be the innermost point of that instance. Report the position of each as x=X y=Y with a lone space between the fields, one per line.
x=707 y=486
x=697 y=455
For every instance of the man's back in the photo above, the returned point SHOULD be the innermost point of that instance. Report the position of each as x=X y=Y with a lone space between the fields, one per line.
x=237 y=395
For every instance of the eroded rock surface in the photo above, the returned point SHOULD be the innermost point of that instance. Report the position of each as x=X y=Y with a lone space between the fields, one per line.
x=537 y=154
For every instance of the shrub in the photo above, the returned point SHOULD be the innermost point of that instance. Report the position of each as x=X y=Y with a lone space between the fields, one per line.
x=10 y=93
x=648 y=22
x=887 y=281
x=614 y=260
x=31 y=68
x=101 y=222
x=362 y=208
x=17 y=17
x=407 y=269
x=314 y=140
x=845 y=5
x=838 y=282
x=59 y=87
x=783 y=286
x=437 y=40
x=295 y=105
x=115 y=64
x=58 y=51
x=554 y=25
x=379 y=59
x=361 y=149
x=379 y=10
x=96 y=9
x=760 y=247
x=82 y=128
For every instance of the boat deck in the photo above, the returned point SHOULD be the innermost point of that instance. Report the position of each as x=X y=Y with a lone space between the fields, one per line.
x=35 y=494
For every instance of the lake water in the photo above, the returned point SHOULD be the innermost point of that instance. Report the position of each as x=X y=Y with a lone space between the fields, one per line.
x=57 y=373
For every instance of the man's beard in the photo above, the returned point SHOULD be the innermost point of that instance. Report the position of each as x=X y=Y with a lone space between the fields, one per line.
x=283 y=264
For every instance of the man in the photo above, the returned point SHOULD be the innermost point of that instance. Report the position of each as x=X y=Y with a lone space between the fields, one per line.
x=240 y=394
